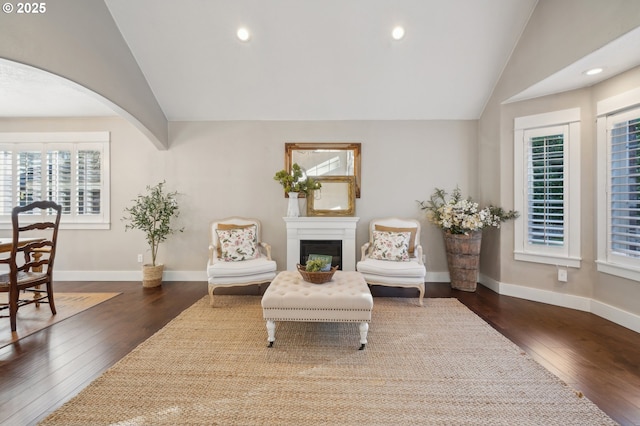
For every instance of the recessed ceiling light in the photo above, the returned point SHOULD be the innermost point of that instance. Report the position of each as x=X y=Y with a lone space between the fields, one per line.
x=397 y=33
x=243 y=34
x=593 y=71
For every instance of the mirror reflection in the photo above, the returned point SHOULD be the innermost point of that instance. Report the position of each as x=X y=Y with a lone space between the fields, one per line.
x=326 y=159
x=335 y=198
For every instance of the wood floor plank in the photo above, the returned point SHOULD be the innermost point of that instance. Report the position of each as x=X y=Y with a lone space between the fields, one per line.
x=42 y=371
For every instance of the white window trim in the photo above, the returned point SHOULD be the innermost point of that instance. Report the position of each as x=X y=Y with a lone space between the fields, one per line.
x=103 y=222
x=568 y=255
x=607 y=262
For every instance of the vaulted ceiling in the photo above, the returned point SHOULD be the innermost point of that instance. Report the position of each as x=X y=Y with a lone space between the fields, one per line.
x=330 y=59
x=306 y=60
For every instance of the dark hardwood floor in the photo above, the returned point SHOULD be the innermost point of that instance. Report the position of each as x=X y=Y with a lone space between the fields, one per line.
x=42 y=371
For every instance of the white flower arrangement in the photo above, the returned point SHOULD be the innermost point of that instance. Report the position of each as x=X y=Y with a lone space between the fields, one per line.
x=458 y=215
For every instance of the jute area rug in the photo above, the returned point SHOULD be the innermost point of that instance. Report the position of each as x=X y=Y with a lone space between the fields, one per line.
x=31 y=318
x=437 y=364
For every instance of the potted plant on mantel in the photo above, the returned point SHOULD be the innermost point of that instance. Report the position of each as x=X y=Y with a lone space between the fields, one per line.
x=462 y=220
x=152 y=214
x=294 y=184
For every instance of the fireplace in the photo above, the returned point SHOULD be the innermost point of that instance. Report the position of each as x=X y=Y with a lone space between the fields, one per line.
x=332 y=248
x=322 y=228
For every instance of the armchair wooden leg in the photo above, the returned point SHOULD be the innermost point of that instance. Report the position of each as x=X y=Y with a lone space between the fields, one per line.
x=211 y=295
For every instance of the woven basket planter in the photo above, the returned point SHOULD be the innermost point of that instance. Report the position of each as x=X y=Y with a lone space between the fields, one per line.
x=463 y=259
x=318 y=277
x=152 y=275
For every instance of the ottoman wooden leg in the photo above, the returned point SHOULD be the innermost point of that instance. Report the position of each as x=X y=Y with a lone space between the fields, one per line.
x=271 y=332
x=364 y=329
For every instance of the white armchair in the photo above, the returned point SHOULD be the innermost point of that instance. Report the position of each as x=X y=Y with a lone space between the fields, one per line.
x=237 y=256
x=393 y=255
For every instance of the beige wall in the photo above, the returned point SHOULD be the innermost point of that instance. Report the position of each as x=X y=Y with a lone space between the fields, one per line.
x=132 y=167
x=402 y=161
x=226 y=168
x=80 y=41
x=549 y=43
x=585 y=281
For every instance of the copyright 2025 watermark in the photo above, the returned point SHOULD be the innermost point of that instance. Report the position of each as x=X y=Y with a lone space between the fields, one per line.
x=25 y=8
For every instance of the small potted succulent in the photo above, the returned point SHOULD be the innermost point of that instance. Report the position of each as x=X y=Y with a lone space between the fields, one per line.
x=317 y=271
x=316 y=265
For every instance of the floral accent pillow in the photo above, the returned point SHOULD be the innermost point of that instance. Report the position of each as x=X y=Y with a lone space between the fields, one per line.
x=238 y=243
x=392 y=246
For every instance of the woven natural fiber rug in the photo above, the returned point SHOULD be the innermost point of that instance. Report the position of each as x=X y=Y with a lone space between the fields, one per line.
x=437 y=364
x=31 y=318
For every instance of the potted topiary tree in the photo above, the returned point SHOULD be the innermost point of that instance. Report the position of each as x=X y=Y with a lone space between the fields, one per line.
x=152 y=214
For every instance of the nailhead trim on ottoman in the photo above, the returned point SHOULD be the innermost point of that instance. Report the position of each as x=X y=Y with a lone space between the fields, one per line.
x=346 y=298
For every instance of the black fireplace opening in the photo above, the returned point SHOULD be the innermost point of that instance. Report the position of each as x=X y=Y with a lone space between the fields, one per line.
x=328 y=247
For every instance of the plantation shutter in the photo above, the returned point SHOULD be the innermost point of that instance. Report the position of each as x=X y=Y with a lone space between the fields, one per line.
x=6 y=182
x=29 y=172
x=70 y=168
x=88 y=182
x=546 y=190
x=624 y=139
x=59 y=178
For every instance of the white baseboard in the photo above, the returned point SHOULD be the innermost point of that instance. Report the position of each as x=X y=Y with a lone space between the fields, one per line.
x=616 y=315
x=172 y=276
x=586 y=304
x=437 y=277
x=127 y=275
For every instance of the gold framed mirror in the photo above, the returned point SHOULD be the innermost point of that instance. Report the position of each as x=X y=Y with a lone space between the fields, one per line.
x=336 y=197
x=324 y=159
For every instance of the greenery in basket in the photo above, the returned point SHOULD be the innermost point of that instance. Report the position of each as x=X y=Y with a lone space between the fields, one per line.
x=152 y=214
x=296 y=181
x=315 y=265
x=458 y=215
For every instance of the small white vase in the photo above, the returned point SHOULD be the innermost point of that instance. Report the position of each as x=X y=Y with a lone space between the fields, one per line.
x=293 y=210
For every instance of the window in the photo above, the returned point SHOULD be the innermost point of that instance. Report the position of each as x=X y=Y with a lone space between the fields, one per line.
x=547 y=188
x=619 y=185
x=71 y=169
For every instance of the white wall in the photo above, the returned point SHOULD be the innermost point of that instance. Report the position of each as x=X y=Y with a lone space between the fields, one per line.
x=226 y=168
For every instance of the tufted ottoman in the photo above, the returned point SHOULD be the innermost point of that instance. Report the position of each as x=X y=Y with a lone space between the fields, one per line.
x=346 y=298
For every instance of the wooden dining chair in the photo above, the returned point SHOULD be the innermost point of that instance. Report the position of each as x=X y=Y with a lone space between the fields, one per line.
x=31 y=257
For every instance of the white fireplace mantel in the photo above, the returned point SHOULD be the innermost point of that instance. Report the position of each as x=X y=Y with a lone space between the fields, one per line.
x=322 y=228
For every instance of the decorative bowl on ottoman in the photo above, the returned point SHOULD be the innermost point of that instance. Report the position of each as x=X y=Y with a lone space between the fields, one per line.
x=318 y=277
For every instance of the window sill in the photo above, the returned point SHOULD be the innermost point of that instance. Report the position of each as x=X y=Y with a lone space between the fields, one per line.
x=618 y=270
x=570 y=262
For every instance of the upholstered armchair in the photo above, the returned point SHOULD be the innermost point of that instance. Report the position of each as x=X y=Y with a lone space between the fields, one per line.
x=237 y=256
x=393 y=255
